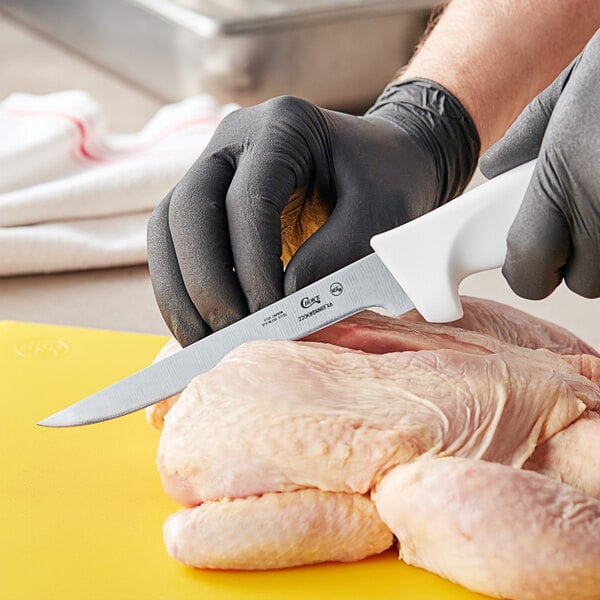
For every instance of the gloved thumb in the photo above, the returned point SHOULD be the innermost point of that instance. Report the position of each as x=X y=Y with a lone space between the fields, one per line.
x=522 y=141
x=326 y=251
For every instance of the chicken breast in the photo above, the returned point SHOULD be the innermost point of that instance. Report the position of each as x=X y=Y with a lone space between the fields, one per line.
x=493 y=319
x=317 y=415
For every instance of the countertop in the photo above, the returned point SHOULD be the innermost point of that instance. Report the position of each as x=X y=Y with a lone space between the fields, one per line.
x=122 y=299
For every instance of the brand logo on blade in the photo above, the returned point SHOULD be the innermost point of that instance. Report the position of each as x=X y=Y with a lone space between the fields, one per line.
x=336 y=289
x=306 y=302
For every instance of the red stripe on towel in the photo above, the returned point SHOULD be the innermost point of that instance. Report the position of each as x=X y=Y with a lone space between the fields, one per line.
x=83 y=133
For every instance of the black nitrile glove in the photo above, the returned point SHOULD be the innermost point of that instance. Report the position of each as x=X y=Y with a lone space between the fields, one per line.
x=556 y=233
x=215 y=242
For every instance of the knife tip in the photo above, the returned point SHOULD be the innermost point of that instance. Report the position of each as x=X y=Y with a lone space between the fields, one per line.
x=47 y=422
x=55 y=420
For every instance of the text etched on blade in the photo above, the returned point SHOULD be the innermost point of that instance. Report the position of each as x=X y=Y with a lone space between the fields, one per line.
x=315 y=311
x=315 y=302
x=280 y=314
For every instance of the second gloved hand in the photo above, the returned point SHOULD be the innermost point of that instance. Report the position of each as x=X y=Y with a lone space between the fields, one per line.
x=556 y=234
x=215 y=242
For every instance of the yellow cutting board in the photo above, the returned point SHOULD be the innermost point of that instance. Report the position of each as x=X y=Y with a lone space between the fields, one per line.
x=81 y=509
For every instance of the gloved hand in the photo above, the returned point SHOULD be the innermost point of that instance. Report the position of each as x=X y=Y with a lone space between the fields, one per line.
x=215 y=242
x=556 y=233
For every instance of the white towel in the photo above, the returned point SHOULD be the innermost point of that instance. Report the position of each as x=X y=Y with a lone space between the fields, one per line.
x=72 y=195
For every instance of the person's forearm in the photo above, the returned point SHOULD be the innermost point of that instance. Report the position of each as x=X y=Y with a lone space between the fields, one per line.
x=496 y=55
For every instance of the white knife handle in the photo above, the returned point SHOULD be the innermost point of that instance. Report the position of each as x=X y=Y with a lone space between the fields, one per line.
x=431 y=255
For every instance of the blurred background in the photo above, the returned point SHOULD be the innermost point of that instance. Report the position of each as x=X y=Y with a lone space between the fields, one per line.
x=336 y=53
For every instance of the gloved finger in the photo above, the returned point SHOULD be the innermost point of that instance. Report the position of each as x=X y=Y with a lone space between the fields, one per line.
x=522 y=141
x=582 y=273
x=172 y=298
x=198 y=225
x=255 y=200
x=335 y=245
x=538 y=243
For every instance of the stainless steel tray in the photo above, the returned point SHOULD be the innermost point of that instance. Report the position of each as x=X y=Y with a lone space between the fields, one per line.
x=337 y=53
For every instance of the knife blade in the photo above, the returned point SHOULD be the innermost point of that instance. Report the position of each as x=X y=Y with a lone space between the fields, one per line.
x=363 y=284
x=417 y=264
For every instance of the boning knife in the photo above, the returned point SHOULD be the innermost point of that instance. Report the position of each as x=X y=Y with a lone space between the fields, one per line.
x=417 y=265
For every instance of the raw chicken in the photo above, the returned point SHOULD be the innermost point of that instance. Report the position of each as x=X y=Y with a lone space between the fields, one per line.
x=296 y=528
x=514 y=326
x=317 y=415
x=494 y=529
x=279 y=448
x=497 y=320
x=572 y=455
